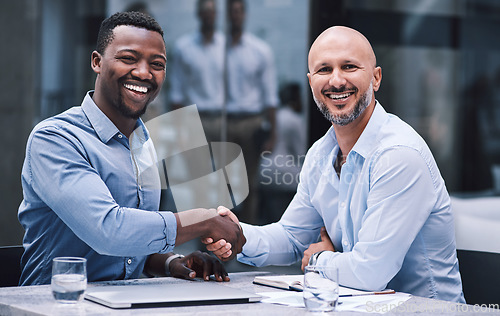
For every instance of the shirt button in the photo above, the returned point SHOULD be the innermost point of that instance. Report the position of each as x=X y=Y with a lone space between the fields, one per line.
x=140 y=187
x=129 y=261
x=120 y=135
x=346 y=243
x=342 y=204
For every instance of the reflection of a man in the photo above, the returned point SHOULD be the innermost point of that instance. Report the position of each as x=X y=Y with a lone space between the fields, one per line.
x=244 y=86
x=279 y=170
x=251 y=96
x=197 y=70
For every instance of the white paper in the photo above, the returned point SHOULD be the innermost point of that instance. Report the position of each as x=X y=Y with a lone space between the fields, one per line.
x=366 y=303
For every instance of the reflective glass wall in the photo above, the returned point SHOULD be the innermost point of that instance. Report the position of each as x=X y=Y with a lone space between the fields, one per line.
x=440 y=65
x=440 y=61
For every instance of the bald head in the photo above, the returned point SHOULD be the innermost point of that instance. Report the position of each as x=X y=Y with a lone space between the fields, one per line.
x=341 y=38
x=343 y=75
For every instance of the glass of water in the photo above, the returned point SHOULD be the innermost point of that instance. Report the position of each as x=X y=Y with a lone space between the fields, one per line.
x=69 y=279
x=321 y=288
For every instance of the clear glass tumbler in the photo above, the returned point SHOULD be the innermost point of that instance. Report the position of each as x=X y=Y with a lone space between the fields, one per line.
x=69 y=279
x=321 y=288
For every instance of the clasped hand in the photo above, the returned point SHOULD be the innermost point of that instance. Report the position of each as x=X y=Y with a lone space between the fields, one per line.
x=324 y=245
x=198 y=264
x=224 y=248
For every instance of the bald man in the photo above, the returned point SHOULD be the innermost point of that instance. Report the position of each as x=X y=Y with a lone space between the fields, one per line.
x=369 y=189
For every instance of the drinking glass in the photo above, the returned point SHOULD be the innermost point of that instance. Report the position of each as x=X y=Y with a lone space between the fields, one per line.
x=321 y=288
x=69 y=279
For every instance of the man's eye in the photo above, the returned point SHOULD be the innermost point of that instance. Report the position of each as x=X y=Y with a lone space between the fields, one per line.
x=127 y=59
x=324 y=69
x=158 y=66
x=350 y=67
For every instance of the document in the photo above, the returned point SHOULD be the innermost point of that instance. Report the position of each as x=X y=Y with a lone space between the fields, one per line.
x=295 y=283
x=360 y=303
x=285 y=282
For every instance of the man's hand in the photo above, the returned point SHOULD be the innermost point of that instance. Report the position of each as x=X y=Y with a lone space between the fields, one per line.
x=226 y=247
x=222 y=248
x=324 y=244
x=198 y=264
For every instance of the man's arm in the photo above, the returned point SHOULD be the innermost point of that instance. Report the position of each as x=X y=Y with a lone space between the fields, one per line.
x=64 y=179
x=60 y=173
x=283 y=242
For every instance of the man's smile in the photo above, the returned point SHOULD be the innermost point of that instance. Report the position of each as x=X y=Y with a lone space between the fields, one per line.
x=340 y=97
x=136 y=88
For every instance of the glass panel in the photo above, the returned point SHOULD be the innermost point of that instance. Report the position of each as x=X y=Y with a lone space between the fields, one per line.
x=234 y=83
x=440 y=74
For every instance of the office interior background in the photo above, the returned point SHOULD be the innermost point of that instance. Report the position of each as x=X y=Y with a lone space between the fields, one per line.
x=440 y=61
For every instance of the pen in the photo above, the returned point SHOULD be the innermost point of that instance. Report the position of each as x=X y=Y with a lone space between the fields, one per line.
x=369 y=293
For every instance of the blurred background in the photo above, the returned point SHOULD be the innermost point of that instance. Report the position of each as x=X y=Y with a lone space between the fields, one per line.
x=440 y=61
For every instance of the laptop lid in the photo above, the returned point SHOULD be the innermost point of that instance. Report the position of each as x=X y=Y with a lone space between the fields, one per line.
x=164 y=295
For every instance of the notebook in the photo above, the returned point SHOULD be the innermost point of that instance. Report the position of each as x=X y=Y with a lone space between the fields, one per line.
x=165 y=295
x=295 y=283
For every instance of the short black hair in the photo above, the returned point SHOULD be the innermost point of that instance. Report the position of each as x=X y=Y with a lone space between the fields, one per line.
x=243 y=4
x=201 y=3
x=137 y=19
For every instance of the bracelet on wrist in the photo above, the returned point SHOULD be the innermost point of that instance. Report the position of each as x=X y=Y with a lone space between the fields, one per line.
x=169 y=260
x=314 y=258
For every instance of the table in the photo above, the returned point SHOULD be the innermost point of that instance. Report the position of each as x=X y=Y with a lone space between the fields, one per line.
x=38 y=300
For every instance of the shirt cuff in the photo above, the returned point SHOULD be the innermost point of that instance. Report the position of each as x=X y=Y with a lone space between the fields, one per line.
x=251 y=243
x=326 y=258
x=170 y=231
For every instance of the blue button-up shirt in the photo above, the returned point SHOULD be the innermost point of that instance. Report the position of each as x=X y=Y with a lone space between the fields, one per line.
x=87 y=193
x=388 y=215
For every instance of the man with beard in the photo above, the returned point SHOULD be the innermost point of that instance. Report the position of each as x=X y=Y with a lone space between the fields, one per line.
x=87 y=186
x=369 y=189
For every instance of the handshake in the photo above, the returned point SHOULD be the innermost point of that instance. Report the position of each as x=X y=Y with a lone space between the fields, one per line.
x=219 y=230
x=217 y=243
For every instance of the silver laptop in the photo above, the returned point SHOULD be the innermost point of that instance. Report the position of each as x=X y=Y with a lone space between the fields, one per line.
x=159 y=295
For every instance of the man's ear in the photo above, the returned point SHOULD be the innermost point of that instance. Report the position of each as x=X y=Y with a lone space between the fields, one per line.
x=377 y=78
x=309 y=77
x=95 y=62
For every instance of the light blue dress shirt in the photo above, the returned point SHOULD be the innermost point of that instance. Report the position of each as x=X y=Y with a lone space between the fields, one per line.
x=197 y=74
x=197 y=71
x=251 y=82
x=85 y=195
x=388 y=215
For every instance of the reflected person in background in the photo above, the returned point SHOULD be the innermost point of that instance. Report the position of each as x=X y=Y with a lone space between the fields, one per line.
x=369 y=189
x=197 y=70
x=88 y=194
x=241 y=90
x=252 y=99
x=279 y=169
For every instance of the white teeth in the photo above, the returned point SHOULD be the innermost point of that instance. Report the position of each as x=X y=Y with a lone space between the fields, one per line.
x=339 y=96
x=136 y=88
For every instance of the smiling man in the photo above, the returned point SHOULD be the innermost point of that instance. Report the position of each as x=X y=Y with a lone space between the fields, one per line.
x=371 y=182
x=84 y=192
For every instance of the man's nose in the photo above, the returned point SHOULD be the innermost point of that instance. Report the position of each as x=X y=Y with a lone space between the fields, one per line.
x=337 y=79
x=142 y=71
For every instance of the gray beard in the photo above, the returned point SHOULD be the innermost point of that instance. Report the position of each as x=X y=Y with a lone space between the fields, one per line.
x=344 y=119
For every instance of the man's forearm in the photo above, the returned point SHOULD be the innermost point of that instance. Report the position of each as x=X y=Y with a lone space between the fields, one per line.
x=193 y=224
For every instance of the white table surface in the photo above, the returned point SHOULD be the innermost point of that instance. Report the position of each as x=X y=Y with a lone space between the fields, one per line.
x=38 y=300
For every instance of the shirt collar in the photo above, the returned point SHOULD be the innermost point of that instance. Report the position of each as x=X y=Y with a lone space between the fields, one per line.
x=102 y=125
x=367 y=139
